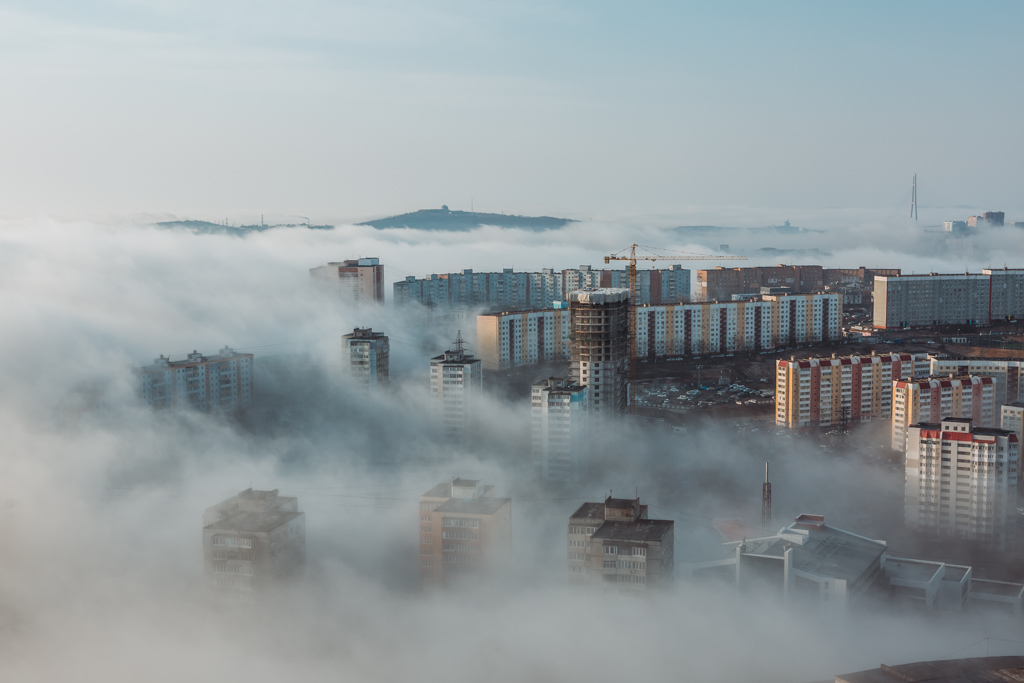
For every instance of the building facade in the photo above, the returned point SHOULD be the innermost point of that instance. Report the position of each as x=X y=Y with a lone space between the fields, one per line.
x=616 y=549
x=252 y=543
x=210 y=384
x=365 y=358
x=512 y=339
x=599 y=347
x=559 y=428
x=931 y=399
x=1011 y=418
x=1005 y=372
x=815 y=392
x=456 y=385
x=961 y=481
x=720 y=283
x=356 y=281
x=957 y=299
x=465 y=532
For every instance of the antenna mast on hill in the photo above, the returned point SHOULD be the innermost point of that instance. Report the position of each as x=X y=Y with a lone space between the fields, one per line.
x=766 y=500
x=913 y=199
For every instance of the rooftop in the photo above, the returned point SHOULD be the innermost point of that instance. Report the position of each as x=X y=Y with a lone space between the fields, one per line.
x=254 y=522
x=640 y=530
x=602 y=295
x=992 y=669
x=911 y=570
x=824 y=550
x=485 y=505
x=986 y=587
x=589 y=511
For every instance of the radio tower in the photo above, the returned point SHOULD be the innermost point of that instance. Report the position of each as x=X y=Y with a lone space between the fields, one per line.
x=913 y=199
x=766 y=500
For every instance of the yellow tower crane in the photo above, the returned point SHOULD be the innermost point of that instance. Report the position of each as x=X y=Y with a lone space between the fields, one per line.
x=629 y=254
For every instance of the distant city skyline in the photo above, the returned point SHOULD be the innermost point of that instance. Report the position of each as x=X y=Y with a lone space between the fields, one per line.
x=355 y=110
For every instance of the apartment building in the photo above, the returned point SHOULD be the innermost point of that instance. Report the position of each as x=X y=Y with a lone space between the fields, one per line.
x=1006 y=373
x=456 y=385
x=1011 y=419
x=515 y=338
x=252 y=543
x=211 y=384
x=356 y=281
x=616 y=549
x=509 y=290
x=815 y=392
x=465 y=532
x=559 y=428
x=365 y=358
x=931 y=399
x=721 y=283
x=599 y=349
x=943 y=299
x=961 y=481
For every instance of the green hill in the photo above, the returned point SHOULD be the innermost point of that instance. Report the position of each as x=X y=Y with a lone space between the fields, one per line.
x=461 y=221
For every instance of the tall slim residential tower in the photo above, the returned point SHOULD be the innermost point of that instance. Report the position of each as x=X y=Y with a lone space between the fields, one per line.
x=599 y=346
x=251 y=543
x=354 y=281
x=560 y=418
x=456 y=384
x=464 y=532
x=931 y=399
x=961 y=481
x=364 y=356
x=219 y=383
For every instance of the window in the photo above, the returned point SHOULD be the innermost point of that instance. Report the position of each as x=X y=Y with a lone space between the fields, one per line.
x=611 y=550
x=459 y=522
x=639 y=552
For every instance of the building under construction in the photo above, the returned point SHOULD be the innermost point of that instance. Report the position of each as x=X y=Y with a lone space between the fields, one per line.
x=599 y=346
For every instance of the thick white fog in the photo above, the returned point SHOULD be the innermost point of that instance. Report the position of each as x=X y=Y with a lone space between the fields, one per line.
x=101 y=498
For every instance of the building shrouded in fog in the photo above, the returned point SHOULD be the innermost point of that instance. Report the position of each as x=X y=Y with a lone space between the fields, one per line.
x=931 y=399
x=251 y=542
x=599 y=346
x=615 y=548
x=357 y=281
x=993 y=669
x=456 y=385
x=1011 y=418
x=464 y=532
x=559 y=428
x=961 y=481
x=211 y=384
x=365 y=356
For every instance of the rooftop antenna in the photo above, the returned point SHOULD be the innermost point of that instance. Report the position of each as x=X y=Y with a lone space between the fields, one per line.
x=913 y=199
x=460 y=343
x=766 y=500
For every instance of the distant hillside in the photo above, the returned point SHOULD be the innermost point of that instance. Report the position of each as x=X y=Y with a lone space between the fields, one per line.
x=461 y=221
x=207 y=228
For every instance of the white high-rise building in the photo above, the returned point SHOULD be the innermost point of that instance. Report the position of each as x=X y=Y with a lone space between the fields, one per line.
x=365 y=356
x=456 y=385
x=559 y=428
x=961 y=481
x=931 y=399
x=211 y=384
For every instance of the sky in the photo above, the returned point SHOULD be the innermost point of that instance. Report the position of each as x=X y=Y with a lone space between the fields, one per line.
x=346 y=110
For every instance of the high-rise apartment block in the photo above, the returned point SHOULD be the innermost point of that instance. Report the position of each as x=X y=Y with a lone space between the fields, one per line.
x=994 y=218
x=961 y=481
x=251 y=543
x=1011 y=419
x=957 y=299
x=720 y=283
x=210 y=384
x=511 y=339
x=365 y=357
x=509 y=290
x=464 y=532
x=456 y=385
x=356 y=281
x=815 y=392
x=615 y=548
x=1006 y=373
x=932 y=399
x=560 y=419
x=599 y=347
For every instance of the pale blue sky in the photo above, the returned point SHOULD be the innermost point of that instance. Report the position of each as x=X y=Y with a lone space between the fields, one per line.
x=349 y=109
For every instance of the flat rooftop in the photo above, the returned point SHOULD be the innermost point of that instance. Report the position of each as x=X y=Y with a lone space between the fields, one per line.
x=485 y=505
x=640 y=530
x=911 y=570
x=994 y=669
x=1001 y=588
x=254 y=522
x=827 y=551
x=589 y=511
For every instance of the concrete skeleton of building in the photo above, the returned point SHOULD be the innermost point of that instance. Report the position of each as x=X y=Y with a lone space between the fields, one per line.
x=252 y=542
x=599 y=347
x=559 y=428
x=464 y=532
x=815 y=392
x=357 y=281
x=930 y=399
x=812 y=563
x=509 y=290
x=456 y=386
x=961 y=481
x=210 y=384
x=616 y=549
x=512 y=339
x=949 y=299
x=365 y=358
